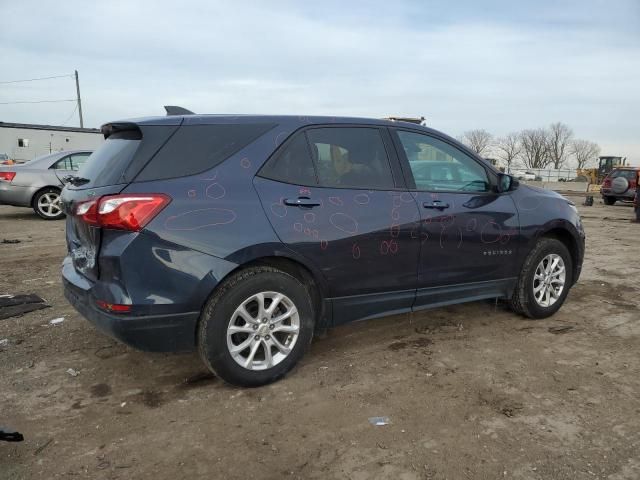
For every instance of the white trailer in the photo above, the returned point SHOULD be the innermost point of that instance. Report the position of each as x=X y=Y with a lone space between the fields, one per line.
x=23 y=142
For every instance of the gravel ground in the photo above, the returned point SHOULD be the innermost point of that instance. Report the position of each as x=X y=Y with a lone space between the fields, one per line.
x=472 y=391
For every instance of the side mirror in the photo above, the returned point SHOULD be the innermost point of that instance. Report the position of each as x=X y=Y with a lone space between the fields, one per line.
x=506 y=182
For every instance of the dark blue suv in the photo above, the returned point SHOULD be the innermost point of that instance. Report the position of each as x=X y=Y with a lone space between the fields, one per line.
x=240 y=236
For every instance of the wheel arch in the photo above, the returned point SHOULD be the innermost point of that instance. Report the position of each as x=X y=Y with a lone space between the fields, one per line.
x=46 y=187
x=571 y=241
x=297 y=269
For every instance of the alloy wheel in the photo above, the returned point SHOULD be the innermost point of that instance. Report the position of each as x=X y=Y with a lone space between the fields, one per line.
x=548 y=280
x=263 y=330
x=49 y=204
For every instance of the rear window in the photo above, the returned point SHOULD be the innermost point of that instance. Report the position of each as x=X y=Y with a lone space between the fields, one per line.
x=194 y=149
x=106 y=165
x=628 y=174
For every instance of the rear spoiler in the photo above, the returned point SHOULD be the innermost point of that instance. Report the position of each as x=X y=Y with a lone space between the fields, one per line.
x=126 y=130
x=131 y=130
x=175 y=110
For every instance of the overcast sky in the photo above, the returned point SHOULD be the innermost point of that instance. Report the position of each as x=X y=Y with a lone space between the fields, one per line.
x=497 y=65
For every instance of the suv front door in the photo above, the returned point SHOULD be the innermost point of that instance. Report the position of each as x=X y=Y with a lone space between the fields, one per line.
x=468 y=230
x=335 y=196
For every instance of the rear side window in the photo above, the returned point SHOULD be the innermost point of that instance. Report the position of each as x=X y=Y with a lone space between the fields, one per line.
x=196 y=148
x=292 y=164
x=350 y=157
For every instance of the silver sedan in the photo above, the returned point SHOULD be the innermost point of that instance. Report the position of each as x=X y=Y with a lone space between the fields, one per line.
x=38 y=183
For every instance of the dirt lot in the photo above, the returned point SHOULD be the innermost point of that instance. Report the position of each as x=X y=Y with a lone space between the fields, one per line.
x=472 y=391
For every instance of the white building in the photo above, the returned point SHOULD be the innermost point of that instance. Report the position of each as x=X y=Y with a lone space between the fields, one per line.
x=22 y=142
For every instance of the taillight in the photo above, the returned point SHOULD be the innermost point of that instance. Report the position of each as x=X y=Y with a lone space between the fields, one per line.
x=113 y=307
x=7 y=176
x=123 y=212
x=607 y=182
x=88 y=211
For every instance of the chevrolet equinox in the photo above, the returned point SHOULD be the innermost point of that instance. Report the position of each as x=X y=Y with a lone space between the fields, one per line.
x=239 y=236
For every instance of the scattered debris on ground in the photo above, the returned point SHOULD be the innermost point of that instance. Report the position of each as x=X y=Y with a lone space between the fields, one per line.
x=561 y=329
x=379 y=421
x=16 y=305
x=41 y=448
x=10 y=435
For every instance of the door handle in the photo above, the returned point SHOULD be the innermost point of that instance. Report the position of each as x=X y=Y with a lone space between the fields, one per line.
x=301 y=202
x=436 y=204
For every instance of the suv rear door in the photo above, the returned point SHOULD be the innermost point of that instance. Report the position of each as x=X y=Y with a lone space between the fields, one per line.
x=335 y=195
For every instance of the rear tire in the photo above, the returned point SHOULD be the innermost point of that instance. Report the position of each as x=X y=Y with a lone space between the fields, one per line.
x=609 y=200
x=527 y=299
x=46 y=204
x=242 y=313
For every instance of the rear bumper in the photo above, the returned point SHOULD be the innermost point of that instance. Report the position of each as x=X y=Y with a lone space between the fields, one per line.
x=628 y=195
x=154 y=333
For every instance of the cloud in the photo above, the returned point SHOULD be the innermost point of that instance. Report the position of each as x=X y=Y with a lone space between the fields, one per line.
x=499 y=65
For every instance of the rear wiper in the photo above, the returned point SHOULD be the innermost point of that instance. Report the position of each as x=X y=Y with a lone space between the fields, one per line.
x=75 y=180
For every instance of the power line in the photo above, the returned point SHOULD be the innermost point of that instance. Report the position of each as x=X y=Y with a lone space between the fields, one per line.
x=35 y=79
x=39 y=101
x=78 y=106
x=69 y=117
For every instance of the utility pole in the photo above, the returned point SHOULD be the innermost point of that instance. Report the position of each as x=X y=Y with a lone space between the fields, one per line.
x=79 y=101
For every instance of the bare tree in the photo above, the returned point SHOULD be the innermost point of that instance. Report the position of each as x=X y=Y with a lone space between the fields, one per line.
x=584 y=151
x=508 y=148
x=535 y=148
x=559 y=138
x=479 y=141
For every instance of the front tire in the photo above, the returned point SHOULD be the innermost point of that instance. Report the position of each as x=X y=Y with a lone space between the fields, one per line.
x=545 y=279
x=256 y=327
x=609 y=200
x=46 y=204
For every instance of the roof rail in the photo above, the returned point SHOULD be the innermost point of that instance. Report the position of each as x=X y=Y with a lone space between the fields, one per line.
x=175 y=110
x=416 y=120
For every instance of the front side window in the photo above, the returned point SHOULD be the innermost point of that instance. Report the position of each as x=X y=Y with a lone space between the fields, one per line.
x=439 y=166
x=350 y=157
x=292 y=164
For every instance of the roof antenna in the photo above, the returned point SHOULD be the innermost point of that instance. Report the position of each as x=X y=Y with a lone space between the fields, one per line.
x=175 y=110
